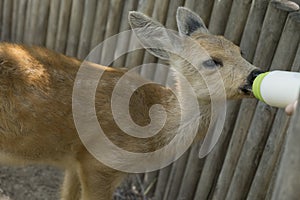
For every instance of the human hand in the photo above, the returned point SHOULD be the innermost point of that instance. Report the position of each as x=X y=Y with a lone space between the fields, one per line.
x=290 y=109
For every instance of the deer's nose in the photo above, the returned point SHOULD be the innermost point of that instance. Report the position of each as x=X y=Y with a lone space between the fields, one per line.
x=247 y=88
x=253 y=74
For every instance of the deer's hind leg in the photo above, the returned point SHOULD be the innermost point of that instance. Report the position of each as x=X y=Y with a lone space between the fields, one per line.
x=71 y=189
x=98 y=182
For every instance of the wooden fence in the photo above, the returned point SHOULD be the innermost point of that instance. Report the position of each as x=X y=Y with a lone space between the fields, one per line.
x=256 y=157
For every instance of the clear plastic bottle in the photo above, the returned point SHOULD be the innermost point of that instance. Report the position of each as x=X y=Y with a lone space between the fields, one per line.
x=277 y=88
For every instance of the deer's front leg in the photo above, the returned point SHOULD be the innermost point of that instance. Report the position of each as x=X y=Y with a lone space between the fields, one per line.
x=71 y=189
x=98 y=182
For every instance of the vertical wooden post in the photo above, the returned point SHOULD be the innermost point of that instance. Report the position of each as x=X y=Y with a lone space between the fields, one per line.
x=175 y=178
x=237 y=19
x=191 y=174
x=267 y=167
x=273 y=24
x=258 y=133
x=112 y=27
x=160 y=76
x=270 y=191
x=287 y=183
x=202 y=7
x=21 y=12
x=42 y=23
x=135 y=58
x=14 y=20
x=52 y=23
x=219 y=16
x=6 y=20
x=253 y=28
x=249 y=41
x=87 y=28
x=100 y=23
x=63 y=26
x=1 y=18
x=214 y=160
x=123 y=40
x=74 y=27
x=32 y=21
x=159 y=14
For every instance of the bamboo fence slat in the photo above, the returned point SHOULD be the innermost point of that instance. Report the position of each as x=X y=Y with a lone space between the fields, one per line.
x=160 y=8
x=112 y=27
x=99 y=28
x=27 y=22
x=212 y=170
x=201 y=7
x=191 y=174
x=248 y=44
x=272 y=188
x=271 y=156
x=52 y=24
x=288 y=43
x=14 y=20
x=6 y=20
x=63 y=24
x=189 y=4
x=87 y=28
x=162 y=181
x=123 y=40
x=135 y=58
x=22 y=8
x=251 y=151
x=273 y=24
x=253 y=28
x=256 y=138
x=42 y=23
x=214 y=160
x=242 y=124
x=287 y=182
x=175 y=177
x=161 y=74
x=204 y=9
x=237 y=19
x=1 y=19
x=33 y=17
x=74 y=27
x=219 y=16
x=98 y=34
x=160 y=13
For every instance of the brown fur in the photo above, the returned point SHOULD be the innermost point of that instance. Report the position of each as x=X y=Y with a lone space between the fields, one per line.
x=37 y=126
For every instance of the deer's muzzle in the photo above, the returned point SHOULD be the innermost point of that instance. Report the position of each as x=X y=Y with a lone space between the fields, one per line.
x=247 y=88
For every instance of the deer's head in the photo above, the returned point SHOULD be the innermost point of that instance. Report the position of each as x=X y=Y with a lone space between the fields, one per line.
x=204 y=59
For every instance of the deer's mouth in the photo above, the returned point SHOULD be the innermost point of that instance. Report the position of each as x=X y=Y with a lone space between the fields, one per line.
x=246 y=90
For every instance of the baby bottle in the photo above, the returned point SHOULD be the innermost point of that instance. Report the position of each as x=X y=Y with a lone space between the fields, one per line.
x=277 y=88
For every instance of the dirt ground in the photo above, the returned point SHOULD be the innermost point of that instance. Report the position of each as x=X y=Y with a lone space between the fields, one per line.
x=43 y=183
x=30 y=183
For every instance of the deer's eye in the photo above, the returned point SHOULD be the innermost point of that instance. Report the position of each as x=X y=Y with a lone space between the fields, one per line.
x=212 y=63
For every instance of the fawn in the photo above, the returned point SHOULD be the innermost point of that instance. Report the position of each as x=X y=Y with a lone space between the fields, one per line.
x=36 y=120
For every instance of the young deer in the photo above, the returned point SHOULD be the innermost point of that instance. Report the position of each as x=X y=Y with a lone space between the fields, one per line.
x=36 y=119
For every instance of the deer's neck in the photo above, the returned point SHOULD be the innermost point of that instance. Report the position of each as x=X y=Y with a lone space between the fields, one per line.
x=140 y=107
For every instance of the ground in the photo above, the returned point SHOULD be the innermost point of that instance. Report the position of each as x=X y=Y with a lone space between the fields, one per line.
x=30 y=183
x=43 y=183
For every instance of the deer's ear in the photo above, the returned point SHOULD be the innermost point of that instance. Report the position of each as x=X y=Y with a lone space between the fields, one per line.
x=189 y=22
x=151 y=34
